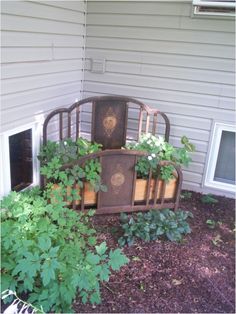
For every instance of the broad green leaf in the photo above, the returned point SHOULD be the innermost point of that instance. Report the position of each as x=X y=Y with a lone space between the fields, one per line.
x=28 y=266
x=53 y=251
x=83 y=281
x=92 y=258
x=105 y=272
x=117 y=259
x=101 y=249
x=92 y=241
x=95 y=298
x=84 y=296
x=48 y=271
x=44 y=243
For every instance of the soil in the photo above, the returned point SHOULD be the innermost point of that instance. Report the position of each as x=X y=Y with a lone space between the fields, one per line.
x=196 y=276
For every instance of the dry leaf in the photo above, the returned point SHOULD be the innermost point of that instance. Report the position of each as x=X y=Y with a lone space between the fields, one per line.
x=176 y=282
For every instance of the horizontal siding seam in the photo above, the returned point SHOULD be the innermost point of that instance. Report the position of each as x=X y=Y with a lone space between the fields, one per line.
x=43 y=33
x=28 y=104
x=167 y=53
x=30 y=61
x=153 y=27
x=41 y=75
x=166 y=77
x=88 y=58
x=42 y=46
x=133 y=14
x=190 y=104
x=160 y=65
x=162 y=89
x=160 y=40
x=34 y=89
x=144 y=99
x=41 y=18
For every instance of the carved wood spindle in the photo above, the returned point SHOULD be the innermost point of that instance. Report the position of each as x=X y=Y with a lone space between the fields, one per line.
x=61 y=125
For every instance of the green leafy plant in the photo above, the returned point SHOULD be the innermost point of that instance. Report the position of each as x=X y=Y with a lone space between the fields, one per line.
x=54 y=155
x=209 y=199
x=67 y=150
x=153 y=225
x=160 y=150
x=186 y=195
x=50 y=252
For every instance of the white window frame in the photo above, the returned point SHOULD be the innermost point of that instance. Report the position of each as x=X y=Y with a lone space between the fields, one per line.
x=213 y=155
x=5 y=180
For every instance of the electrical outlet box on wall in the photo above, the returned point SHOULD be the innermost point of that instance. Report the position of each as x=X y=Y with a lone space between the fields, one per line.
x=98 y=65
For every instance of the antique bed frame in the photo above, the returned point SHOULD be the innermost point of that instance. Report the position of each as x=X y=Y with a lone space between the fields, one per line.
x=109 y=120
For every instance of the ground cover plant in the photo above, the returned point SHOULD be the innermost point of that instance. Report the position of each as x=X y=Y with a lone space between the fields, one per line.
x=153 y=225
x=209 y=199
x=50 y=253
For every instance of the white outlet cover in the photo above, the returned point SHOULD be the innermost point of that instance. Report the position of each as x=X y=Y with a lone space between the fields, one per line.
x=98 y=65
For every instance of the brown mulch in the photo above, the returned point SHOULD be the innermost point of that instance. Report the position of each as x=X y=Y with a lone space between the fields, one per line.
x=196 y=276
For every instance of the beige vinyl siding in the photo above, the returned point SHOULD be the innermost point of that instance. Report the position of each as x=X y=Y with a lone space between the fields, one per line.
x=156 y=52
x=42 y=58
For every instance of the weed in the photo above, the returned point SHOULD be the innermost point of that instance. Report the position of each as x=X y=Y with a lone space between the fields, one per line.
x=211 y=223
x=114 y=230
x=186 y=195
x=136 y=259
x=142 y=287
x=216 y=240
x=208 y=199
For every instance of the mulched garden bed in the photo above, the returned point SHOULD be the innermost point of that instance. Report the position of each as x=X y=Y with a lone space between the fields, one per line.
x=197 y=275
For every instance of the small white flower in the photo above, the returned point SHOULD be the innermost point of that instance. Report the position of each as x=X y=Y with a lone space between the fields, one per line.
x=149 y=142
x=65 y=143
x=153 y=155
x=149 y=157
x=160 y=140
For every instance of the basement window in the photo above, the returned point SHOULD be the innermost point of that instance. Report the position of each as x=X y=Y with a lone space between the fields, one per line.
x=19 y=164
x=221 y=164
x=21 y=161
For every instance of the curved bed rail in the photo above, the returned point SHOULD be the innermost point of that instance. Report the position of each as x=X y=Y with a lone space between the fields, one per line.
x=108 y=120
x=124 y=188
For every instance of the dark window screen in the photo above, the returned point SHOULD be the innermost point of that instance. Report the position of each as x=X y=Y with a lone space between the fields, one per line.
x=225 y=166
x=21 y=166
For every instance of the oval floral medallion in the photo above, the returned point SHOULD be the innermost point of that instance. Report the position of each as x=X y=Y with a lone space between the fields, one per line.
x=117 y=180
x=109 y=122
